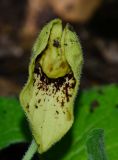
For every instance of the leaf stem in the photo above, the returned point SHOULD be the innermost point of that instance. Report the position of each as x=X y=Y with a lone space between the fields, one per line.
x=31 y=151
x=95 y=145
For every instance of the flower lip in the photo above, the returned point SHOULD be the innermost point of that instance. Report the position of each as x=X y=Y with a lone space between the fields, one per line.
x=62 y=84
x=53 y=60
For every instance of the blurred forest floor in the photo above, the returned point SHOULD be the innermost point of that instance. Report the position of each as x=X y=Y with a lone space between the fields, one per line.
x=98 y=36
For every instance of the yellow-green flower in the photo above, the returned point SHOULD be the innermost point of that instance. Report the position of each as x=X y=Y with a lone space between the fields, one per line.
x=54 y=78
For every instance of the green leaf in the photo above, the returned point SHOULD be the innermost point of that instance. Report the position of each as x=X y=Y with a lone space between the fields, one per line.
x=95 y=108
x=13 y=125
x=95 y=145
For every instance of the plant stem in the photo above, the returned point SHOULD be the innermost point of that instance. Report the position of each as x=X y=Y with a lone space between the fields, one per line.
x=95 y=145
x=31 y=151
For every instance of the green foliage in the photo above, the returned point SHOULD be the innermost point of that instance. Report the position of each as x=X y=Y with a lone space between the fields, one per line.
x=94 y=108
x=95 y=145
x=12 y=122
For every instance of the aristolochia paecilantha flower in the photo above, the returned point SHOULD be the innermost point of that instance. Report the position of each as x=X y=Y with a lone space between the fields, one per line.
x=54 y=77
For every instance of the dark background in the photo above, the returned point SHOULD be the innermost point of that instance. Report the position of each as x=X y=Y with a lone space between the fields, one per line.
x=19 y=26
